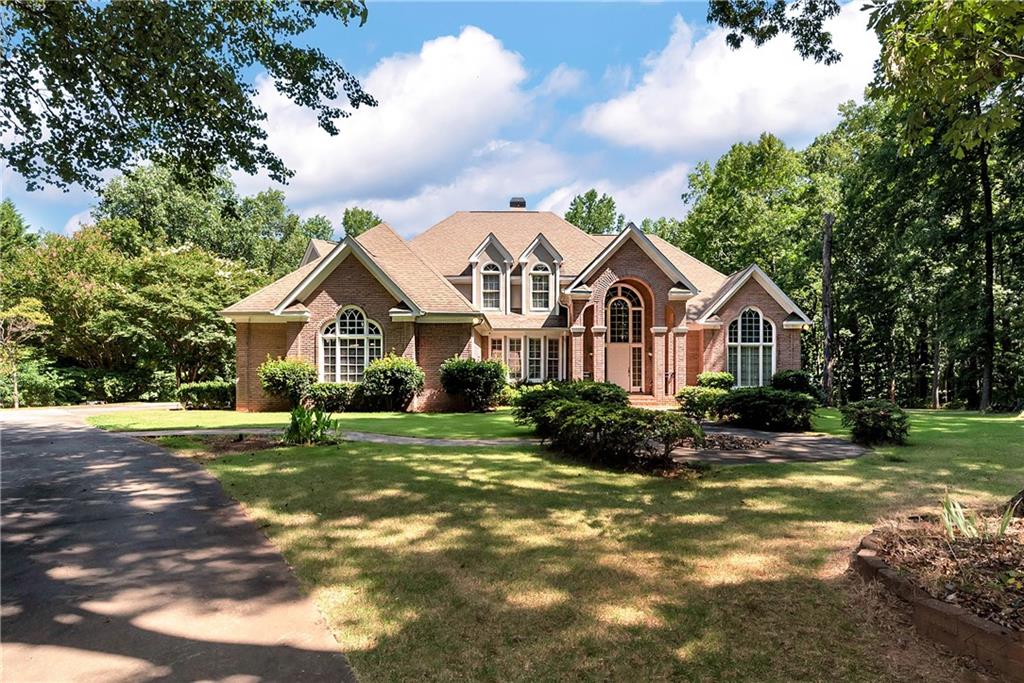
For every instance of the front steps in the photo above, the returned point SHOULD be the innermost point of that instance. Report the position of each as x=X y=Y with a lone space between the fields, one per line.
x=649 y=401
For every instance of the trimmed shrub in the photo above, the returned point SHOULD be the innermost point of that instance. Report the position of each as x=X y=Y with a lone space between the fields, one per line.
x=698 y=403
x=286 y=378
x=390 y=383
x=331 y=397
x=767 y=408
x=508 y=395
x=610 y=435
x=670 y=430
x=478 y=382
x=308 y=426
x=207 y=395
x=875 y=421
x=716 y=380
x=796 y=380
x=533 y=399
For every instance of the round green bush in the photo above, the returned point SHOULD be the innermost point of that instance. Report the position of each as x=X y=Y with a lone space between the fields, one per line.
x=699 y=403
x=286 y=378
x=533 y=399
x=330 y=397
x=875 y=421
x=767 y=408
x=716 y=380
x=390 y=383
x=796 y=380
x=478 y=382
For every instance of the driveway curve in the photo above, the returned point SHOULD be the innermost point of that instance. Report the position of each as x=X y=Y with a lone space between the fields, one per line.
x=123 y=562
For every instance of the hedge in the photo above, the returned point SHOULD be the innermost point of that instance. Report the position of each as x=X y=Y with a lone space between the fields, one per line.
x=330 y=397
x=699 y=403
x=530 y=401
x=767 y=408
x=796 y=380
x=390 y=383
x=207 y=395
x=286 y=378
x=479 y=383
x=875 y=421
x=716 y=380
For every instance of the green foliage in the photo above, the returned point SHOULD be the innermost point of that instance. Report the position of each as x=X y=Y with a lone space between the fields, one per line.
x=162 y=80
x=796 y=380
x=716 y=380
x=331 y=397
x=308 y=426
x=391 y=382
x=875 y=421
x=762 y=21
x=529 y=403
x=356 y=221
x=699 y=403
x=509 y=395
x=672 y=430
x=213 y=395
x=595 y=215
x=14 y=234
x=287 y=378
x=38 y=384
x=766 y=408
x=957 y=521
x=479 y=383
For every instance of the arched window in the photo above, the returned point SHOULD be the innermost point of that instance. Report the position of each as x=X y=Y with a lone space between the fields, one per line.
x=751 y=349
x=625 y=317
x=347 y=345
x=491 y=287
x=540 y=288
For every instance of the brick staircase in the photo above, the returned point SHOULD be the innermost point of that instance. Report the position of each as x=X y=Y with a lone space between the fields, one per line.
x=648 y=401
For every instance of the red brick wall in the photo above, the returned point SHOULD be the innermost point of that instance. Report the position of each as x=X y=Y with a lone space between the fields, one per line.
x=787 y=342
x=256 y=341
x=436 y=343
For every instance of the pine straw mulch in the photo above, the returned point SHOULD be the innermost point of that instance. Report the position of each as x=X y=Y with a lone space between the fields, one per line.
x=726 y=442
x=984 y=576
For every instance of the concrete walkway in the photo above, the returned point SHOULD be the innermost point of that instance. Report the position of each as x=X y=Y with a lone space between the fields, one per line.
x=122 y=562
x=782 y=447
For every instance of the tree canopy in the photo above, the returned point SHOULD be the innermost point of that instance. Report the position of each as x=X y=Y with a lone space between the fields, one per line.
x=87 y=87
x=593 y=214
x=356 y=221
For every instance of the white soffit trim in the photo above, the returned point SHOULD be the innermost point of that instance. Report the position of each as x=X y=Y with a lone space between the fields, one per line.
x=754 y=271
x=490 y=239
x=330 y=262
x=540 y=239
x=648 y=247
x=264 y=317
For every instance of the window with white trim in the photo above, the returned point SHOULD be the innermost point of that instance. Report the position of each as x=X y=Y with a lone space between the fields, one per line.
x=554 y=356
x=490 y=287
x=347 y=345
x=497 y=351
x=750 y=347
x=515 y=358
x=540 y=287
x=534 y=359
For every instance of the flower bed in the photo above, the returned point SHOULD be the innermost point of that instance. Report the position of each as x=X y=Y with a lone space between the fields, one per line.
x=967 y=593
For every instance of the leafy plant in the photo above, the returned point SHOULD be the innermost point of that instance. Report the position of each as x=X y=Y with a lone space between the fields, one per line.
x=479 y=382
x=671 y=430
x=956 y=520
x=207 y=395
x=766 y=408
x=698 y=403
x=875 y=421
x=531 y=401
x=796 y=380
x=287 y=378
x=308 y=426
x=332 y=397
x=390 y=383
x=716 y=380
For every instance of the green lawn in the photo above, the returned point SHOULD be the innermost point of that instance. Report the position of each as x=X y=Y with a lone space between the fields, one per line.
x=510 y=564
x=492 y=425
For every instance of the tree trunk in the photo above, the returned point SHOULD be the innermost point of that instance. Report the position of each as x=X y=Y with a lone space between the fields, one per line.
x=14 y=384
x=826 y=308
x=1018 y=503
x=989 y=336
x=936 y=361
x=857 y=381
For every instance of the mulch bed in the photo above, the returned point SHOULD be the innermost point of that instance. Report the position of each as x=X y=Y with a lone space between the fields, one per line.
x=217 y=446
x=984 y=576
x=726 y=442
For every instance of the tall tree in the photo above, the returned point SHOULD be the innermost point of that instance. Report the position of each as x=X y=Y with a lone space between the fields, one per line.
x=86 y=87
x=595 y=215
x=14 y=233
x=356 y=221
x=18 y=324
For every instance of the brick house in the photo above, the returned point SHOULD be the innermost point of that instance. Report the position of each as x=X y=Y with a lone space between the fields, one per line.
x=526 y=287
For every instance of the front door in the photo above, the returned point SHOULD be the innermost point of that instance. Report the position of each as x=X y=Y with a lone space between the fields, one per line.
x=624 y=348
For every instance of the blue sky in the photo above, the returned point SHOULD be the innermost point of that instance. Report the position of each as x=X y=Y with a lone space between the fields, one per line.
x=482 y=101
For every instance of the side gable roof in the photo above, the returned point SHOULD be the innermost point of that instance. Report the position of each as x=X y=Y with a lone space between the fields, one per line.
x=631 y=232
x=740 y=278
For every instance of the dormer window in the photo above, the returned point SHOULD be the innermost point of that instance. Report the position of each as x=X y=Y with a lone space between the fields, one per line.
x=490 y=280
x=540 y=288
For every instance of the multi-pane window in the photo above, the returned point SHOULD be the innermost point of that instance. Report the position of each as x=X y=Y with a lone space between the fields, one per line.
x=554 y=348
x=618 y=322
x=540 y=287
x=534 y=351
x=750 y=355
x=636 y=366
x=347 y=345
x=497 y=351
x=491 y=286
x=515 y=358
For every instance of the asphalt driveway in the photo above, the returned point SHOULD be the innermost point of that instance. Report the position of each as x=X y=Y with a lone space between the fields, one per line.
x=123 y=562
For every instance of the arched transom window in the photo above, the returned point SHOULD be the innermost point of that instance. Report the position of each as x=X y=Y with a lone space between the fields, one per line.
x=751 y=349
x=490 y=280
x=625 y=316
x=540 y=287
x=347 y=345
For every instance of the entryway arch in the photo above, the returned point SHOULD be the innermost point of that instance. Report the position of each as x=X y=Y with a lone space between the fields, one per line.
x=624 y=349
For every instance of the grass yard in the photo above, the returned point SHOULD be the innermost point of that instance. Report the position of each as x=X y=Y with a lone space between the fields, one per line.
x=492 y=425
x=506 y=564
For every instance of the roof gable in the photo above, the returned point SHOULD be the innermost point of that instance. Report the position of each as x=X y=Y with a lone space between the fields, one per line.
x=316 y=249
x=490 y=241
x=736 y=282
x=636 y=235
x=541 y=241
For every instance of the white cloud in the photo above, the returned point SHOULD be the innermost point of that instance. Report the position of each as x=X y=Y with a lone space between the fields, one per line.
x=651 y=196
x=698 y=95
x=436 y=106
x=498 y=170
x=76 y=221
x=563 y=80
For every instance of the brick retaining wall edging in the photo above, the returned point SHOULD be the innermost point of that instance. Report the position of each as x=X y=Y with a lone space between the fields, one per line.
x=960 y=630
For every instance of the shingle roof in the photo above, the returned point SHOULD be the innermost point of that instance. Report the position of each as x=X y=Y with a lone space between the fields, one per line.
x=518 y=321
x=323 y=247
x=264 y=300
x=413 y=275
x=448 y=245
x=708 y=280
